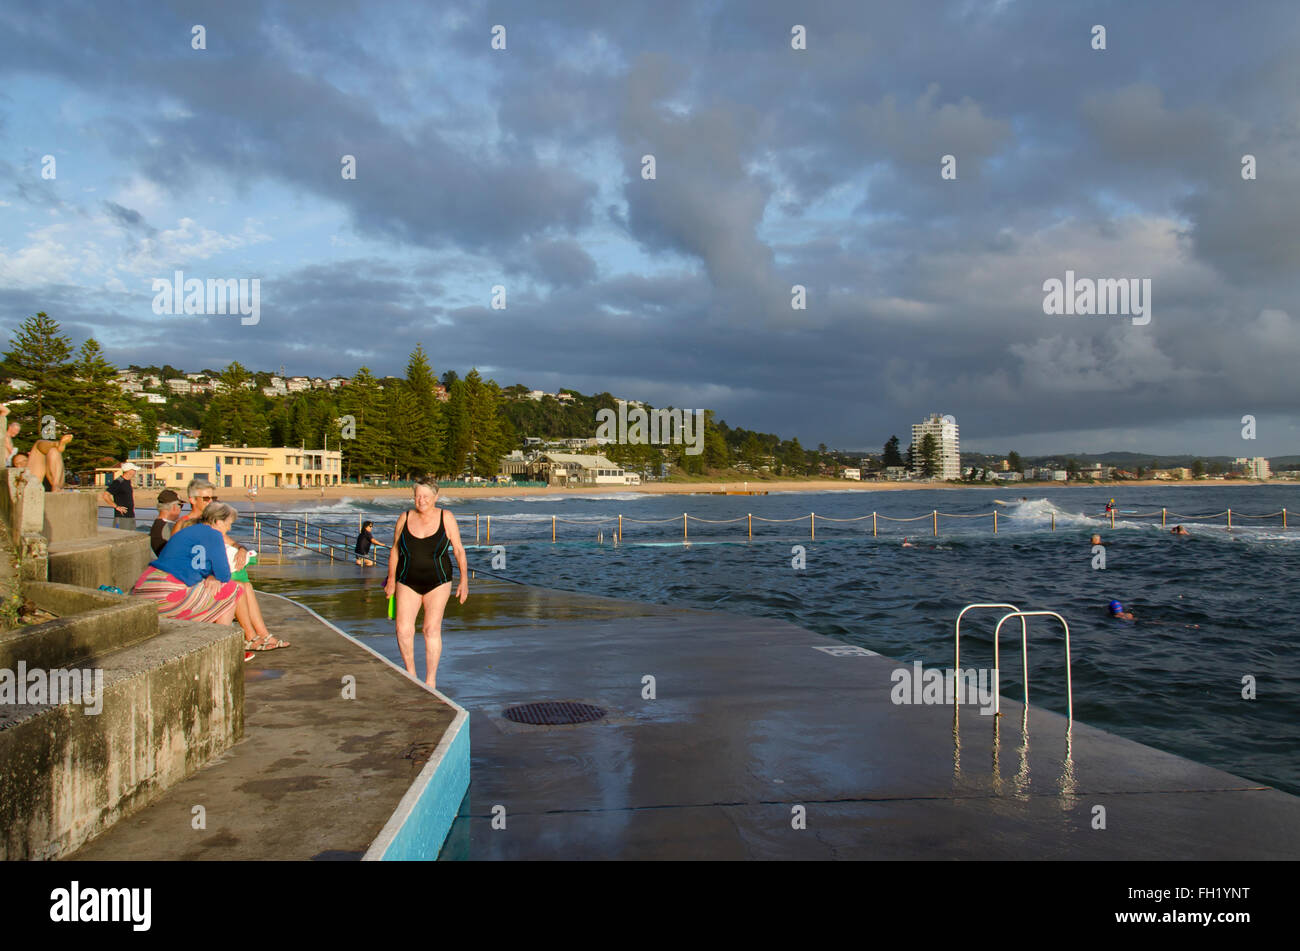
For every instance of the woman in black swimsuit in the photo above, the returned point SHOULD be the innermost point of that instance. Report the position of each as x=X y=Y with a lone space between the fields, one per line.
x=420 y=575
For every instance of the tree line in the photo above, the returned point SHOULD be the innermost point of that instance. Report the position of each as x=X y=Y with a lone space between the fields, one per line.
x=391 y=426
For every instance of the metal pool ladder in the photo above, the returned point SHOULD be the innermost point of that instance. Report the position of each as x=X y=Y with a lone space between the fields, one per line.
x=1024 y=651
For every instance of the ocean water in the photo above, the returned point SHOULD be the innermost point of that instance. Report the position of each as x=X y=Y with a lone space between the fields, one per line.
x=1211 y=609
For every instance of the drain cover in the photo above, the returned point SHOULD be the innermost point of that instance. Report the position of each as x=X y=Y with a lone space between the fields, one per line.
x=550 y=713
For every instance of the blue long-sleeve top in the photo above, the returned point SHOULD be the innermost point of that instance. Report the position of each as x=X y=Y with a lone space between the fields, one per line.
x=181 y=553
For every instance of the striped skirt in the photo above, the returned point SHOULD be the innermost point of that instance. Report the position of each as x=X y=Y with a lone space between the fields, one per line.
x=208 y=600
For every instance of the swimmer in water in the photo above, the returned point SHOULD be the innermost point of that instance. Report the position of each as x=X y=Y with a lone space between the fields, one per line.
x=1117 y=611
x=1096 y=540
x=907 y=544
x=1179 y=530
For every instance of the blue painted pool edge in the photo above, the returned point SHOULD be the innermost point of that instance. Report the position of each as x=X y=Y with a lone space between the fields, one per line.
x=418 y=827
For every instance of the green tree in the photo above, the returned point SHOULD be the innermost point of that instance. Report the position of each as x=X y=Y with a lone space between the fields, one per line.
x=1198 y=469
x=929 y=455
x=365 y=452
x=1013 y=461
x=232 y=418
x=459 y=442
x=716 y=454
x=891 y=455
x=39 y=354
x=419 y=450
x=488 y=441
x=794 y=460
x=105 y=427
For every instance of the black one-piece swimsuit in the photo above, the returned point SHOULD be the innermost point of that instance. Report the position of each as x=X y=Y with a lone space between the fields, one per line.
x=424 y=563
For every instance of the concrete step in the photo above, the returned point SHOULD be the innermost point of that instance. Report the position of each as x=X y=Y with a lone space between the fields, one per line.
x=70 y=516
x=168 y=705
x=88 y=623
x=112 y=557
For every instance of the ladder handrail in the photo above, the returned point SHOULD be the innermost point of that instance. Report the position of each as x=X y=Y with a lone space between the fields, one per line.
x=1024 y=651
x=1069 y=686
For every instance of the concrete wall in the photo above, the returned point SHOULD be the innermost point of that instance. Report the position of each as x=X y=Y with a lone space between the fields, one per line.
x=112 y=557
x=169 y=705
x=22 y=506
x=69 y=516
x=89 y=624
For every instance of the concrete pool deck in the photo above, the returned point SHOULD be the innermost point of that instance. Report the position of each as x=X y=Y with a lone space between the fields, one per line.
x=753 y=719
x=317 y=775
x=754 y=725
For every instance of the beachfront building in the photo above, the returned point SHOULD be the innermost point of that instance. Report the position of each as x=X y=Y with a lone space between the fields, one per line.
x=944 y=430
x=564 y=468
x=230 y=467
x=175 y=442
x=1255 y=467
x=854 y=474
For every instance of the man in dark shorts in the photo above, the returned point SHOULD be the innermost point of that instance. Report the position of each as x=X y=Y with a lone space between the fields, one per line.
x=121 y=497
x=169 y=510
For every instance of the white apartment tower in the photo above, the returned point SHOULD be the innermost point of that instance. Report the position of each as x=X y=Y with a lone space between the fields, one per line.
x=944 y=430
x=1255 y=467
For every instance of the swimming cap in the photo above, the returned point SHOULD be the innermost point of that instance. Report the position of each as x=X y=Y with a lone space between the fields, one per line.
x=1116 y=607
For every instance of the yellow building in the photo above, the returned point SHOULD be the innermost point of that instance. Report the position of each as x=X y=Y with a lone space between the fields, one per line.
x=228 y=467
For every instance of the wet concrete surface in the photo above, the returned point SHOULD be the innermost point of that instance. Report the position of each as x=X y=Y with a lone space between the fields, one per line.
x=754 y=732
x=316 y=776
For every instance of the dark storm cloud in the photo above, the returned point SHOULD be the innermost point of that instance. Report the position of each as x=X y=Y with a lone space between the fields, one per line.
x=924 y=295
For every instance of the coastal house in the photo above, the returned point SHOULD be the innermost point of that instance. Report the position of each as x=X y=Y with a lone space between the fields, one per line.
x=562 y=468
x=231 y=467
x=179 y=386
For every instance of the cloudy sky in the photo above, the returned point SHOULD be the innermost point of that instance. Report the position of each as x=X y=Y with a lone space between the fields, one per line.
x=523 y=167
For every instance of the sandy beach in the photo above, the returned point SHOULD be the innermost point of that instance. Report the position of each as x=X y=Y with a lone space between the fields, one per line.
x=1004 y=490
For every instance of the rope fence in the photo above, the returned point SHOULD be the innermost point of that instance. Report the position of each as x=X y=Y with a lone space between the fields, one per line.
x=333 y=542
